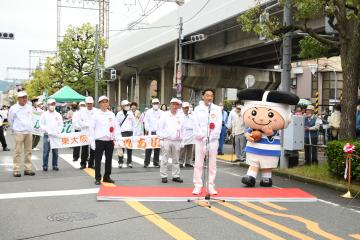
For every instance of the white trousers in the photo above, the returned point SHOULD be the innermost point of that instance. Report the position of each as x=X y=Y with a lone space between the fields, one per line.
x=170 y=149
x=200 y=152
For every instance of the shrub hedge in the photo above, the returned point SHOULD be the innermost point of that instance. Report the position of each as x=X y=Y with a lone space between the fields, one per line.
x=336 y=159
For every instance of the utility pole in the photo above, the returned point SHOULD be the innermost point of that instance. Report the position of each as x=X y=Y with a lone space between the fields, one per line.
x=286 y=71
x=179 y=73
x=96 y=64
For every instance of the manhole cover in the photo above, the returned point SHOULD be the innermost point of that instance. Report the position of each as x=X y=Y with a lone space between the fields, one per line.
x=71 y=216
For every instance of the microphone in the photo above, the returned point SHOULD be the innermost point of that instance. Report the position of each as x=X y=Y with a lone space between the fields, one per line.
x=209 y=107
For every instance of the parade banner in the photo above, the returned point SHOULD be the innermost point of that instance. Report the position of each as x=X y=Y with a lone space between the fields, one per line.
x=138 y=142
x=36 y=123
x=68 y=140
x=75 y=139
x=67 y=128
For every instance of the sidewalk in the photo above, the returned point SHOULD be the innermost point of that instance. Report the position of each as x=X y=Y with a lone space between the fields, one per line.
x=230 y=157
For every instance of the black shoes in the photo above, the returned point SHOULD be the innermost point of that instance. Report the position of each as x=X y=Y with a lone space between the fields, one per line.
x=108 y=180
x=97 y=182
x=74 y=160
x=146 y=166
x=91 y=166
x=17 y=174
x=129 y=165
x=55 y=168
x=164 y=180
x=189 y=165
x=181 y=165
x=29 y=173
x=177 y=179
x=156 y=165
x=248 y=181
x=45 y=169
x=266 y=182
x=5 y=149
x=82 y=167
x=220 y=153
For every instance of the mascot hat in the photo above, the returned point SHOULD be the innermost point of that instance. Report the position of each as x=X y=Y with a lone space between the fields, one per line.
x=279 y=101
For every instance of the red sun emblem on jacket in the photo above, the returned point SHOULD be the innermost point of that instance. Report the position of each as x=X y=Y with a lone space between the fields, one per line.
x=212 y=126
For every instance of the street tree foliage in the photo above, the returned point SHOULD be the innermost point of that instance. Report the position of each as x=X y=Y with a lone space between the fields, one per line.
x=74 y=64
x=344 y=17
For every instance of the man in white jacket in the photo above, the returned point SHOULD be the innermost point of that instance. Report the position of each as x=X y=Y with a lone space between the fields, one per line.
x=19 y=119
x=151 y=124
x=207 y=127
x=186 y=152
x=170 y=133
x=102 y=133
x=86 y=115
x=51 y=124
x=77 y=128
x=125 y=120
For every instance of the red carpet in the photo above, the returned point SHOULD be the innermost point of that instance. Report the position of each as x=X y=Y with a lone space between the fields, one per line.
x=134 y=193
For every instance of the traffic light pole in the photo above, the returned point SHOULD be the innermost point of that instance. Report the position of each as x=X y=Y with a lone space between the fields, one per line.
x=96 y=65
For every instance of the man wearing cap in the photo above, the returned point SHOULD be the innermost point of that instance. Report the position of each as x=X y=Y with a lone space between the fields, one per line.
x=207 y=127
x=51 y=123
x=311 y=125
x=170 y=133
x=186 y=152
x=77 y=128
x=151 y=124
x=85 y=117
x=19 y=118
x=236 y=128
x=125 y=120
x=102 y=132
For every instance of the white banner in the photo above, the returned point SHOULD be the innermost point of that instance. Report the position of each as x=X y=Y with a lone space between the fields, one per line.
x=138 y=142
x=75 y=139
x=36 y=123
x=66 y=140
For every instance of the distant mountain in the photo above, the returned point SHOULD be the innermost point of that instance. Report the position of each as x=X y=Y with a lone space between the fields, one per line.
x=5 y=85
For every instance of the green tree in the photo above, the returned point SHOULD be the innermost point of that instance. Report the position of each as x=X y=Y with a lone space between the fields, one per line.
x=76 y=58
x=344 y=17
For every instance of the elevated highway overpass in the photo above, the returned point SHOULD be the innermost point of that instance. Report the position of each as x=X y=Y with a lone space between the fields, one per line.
x=146 y=58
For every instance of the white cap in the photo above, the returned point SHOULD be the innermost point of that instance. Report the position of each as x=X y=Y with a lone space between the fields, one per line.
x=310 y=107
x=103 y=98
x=21 y=94
x=89 y=99
x=238 y=106
x=174 y=100
x=125 y=102
x=82 y=103
x=185 y=104
x=155 y=100
x=50 y=101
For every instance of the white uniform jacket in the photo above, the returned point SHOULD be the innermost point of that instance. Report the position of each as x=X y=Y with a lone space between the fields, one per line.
x=103 y=127
x=152 y=120
x=128 y=124
x=171 y=126
x=204 y=116
x=20 y=118
x=51 y=123
x=188 y=129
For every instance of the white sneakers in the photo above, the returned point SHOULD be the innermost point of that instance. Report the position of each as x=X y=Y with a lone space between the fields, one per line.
x=197 y=190
x=212 y=190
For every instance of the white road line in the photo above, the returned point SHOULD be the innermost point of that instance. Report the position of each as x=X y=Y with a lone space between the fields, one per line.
x=49 y=193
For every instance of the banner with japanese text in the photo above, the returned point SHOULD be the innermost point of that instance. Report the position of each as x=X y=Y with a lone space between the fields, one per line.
x=75 y=139
x=67 y=140
x=138 y=142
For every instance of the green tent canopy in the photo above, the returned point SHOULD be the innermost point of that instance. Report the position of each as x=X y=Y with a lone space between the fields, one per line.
x=67 y=94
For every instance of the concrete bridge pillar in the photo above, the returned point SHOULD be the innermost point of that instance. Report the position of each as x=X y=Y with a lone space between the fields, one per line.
x=166 y=85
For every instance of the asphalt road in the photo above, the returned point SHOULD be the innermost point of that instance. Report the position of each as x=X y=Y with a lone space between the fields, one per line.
x=28 y=215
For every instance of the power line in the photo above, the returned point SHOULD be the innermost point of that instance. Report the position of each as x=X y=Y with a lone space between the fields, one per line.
x=207 y=2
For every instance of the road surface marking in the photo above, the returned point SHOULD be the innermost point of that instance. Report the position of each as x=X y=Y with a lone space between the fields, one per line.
x=275 y=206
x=267 y=221
x=156 y=219
x=311 y=225
x=48 y=193
x=242 y=222
x=356 y=236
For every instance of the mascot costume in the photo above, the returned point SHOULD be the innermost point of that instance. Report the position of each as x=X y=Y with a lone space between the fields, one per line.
x=264 y=114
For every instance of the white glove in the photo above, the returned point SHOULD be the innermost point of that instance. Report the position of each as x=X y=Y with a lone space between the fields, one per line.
x=92 y=145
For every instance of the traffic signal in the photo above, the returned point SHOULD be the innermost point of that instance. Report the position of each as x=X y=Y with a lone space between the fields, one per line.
x=6 y=35
x=112 y=74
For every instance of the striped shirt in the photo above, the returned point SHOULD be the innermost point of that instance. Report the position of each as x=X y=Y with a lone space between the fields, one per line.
x=267 y=146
